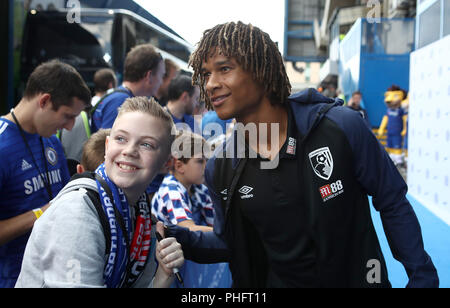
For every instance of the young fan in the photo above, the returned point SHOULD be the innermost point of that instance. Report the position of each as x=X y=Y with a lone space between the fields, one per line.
x=74 y=252
x=182 y=198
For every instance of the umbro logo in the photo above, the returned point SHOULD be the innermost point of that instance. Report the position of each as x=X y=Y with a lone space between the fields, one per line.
x=26 y=165
x=245 y=192
x=224 y=193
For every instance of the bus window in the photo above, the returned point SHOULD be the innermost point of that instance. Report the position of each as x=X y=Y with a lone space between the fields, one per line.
x=85 y=45
x=146 y=34
x=131 y=31
x=101 y=39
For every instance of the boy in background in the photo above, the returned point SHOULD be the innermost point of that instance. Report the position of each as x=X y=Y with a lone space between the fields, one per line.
x=138 y=145
x=183 y=200
x=93 y=151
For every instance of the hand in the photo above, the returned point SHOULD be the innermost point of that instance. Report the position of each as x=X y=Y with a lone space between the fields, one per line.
x=168 y=252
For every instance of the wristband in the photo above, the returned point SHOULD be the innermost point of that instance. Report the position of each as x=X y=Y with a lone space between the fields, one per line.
x=38 y=212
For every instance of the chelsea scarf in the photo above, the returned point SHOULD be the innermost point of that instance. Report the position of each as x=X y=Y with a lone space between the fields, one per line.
x=125 y=261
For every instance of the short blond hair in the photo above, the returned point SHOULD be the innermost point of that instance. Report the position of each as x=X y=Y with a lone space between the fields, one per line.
x=151 y=107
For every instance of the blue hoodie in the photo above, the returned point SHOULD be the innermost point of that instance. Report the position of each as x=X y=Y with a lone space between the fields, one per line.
x=365 y=169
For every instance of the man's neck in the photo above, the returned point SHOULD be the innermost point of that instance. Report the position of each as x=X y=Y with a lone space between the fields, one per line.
x=176 y=109
x=24 y=115
x=100 y=94
x=136 y=88
x=272 y=122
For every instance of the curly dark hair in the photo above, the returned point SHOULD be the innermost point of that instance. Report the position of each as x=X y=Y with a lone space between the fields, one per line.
x=253 y=49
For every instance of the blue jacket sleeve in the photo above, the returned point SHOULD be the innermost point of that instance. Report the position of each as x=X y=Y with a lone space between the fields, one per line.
x=110 y=109
x=110 y=113
x=377 y=174
x=204 y=247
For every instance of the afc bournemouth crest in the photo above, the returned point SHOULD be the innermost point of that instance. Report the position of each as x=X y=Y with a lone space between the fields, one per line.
x=322 y=162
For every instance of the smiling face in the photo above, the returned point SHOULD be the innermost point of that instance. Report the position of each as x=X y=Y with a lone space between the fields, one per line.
x=232 y=91
x=254 y=52
x=135 y=150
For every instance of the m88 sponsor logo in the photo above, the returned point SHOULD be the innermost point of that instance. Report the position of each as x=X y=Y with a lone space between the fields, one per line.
x=332 y=190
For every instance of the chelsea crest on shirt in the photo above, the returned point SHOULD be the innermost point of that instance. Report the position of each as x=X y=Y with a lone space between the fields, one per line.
x=37 y=182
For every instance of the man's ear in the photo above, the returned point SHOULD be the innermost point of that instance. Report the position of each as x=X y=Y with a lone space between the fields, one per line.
x=80 y=168
x=184 y=96
x=44 y=100
x=148 y=75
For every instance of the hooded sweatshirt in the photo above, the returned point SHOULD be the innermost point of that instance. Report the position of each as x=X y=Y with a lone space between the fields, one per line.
x=67 y=245
x=335 y=204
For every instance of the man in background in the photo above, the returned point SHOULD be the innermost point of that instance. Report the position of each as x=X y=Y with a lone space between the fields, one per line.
x=355 y=104
x=143 y=75
x=33 y=168
x=172 y=70
x=104 y=80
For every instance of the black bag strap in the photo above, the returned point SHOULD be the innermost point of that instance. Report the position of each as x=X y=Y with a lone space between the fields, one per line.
x=95 y=199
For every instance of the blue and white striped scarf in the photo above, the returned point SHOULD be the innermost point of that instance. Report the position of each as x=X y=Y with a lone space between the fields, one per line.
x=115 y=272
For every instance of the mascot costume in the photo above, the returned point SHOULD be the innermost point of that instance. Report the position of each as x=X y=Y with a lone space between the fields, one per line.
x=395 y=122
